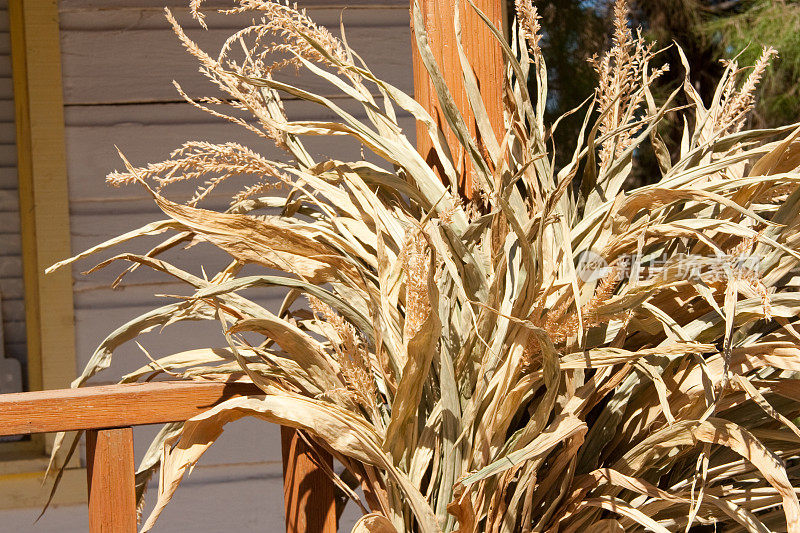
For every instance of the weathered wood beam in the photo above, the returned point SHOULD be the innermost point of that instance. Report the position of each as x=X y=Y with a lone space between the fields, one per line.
x=106 y=406
x=111 y=480
x=484 y=55
x=308 y=492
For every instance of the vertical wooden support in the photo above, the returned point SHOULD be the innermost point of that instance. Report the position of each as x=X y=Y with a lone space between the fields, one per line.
x=43 y=195
x=308 y=495
x=111 y=475
x=486 y=58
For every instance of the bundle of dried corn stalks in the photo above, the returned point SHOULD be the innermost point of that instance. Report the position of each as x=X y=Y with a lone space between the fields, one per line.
x=568 y=354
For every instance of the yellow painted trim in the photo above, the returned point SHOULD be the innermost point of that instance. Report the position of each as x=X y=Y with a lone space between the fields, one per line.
x=20 y=475
x=44 y=196
x=44 y=216
x=21 y=483
x=15 y=448
x=24 y=489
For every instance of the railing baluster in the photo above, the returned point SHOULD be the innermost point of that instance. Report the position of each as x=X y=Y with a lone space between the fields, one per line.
x=308 y=493
x=110 y=471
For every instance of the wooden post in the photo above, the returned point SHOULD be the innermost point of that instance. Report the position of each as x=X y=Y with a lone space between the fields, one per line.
x=308 y=496
x=110 y=471
x=43 y=195
x=486 y=59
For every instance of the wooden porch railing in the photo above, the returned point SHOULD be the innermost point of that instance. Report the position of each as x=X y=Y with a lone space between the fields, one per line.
x=108 y=414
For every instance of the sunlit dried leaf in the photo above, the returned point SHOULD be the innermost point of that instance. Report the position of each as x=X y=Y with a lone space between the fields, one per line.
x=616 y=357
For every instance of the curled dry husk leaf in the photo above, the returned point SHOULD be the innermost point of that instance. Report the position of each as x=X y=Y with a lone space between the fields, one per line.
x=374 y=523
x=587 y=345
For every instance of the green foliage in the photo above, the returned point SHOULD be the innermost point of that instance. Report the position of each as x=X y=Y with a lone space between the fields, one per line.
x=744 y=31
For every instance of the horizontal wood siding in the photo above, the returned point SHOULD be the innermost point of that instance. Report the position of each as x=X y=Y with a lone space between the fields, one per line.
x=11 y=286
x=119 y=60
x=131 y=56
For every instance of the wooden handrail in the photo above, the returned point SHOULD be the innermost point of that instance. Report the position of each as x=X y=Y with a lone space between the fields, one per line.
x=108 y=406
x=108 y=412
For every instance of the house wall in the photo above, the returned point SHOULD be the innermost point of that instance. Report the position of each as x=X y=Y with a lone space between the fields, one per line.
x=119 y=60
x=12 y=308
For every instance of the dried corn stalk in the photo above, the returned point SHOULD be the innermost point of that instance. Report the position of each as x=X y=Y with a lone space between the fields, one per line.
x=552 y=359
